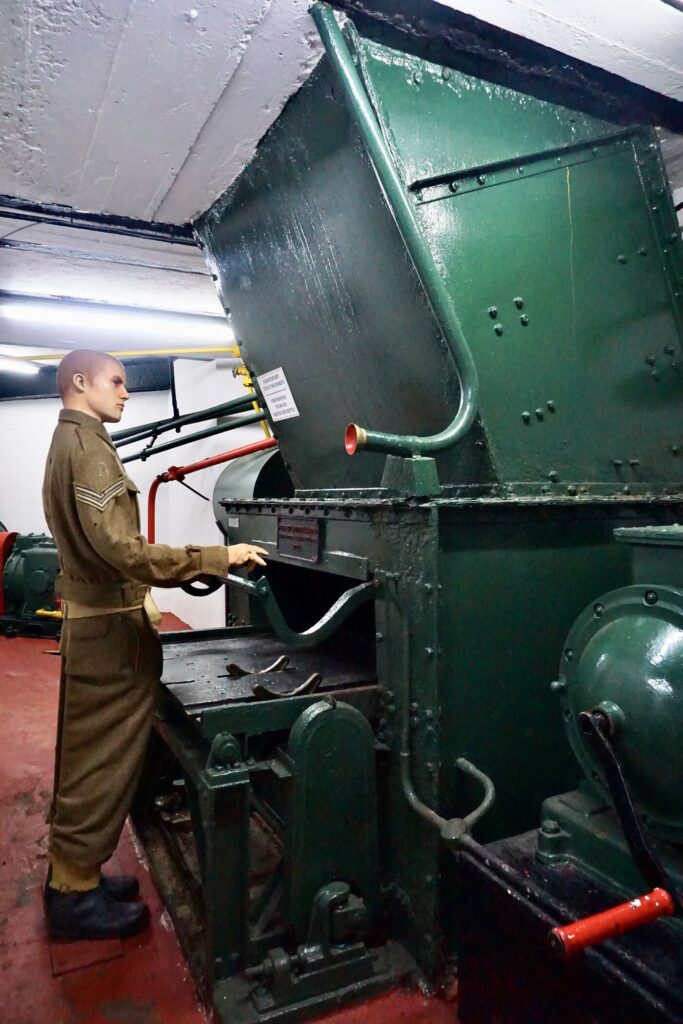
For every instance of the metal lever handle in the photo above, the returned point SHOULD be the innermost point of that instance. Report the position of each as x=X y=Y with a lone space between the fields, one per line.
x=596 y=727
x=571 y=939
x=324 y=627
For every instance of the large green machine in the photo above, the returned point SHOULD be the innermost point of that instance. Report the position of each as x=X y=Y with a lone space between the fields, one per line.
x=28 y=568
x=460 y=305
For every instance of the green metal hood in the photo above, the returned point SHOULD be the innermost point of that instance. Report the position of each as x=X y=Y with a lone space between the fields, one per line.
x=554 y=235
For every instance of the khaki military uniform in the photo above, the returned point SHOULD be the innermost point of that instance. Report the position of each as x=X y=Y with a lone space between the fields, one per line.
x=111 y=654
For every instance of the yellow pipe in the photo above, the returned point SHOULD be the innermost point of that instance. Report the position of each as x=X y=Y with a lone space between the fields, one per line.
x=242 y=371
x=231 y=350
x=45 y=613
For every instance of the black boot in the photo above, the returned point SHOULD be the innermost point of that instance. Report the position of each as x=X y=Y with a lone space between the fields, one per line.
x=122 y=888
x=93 y=915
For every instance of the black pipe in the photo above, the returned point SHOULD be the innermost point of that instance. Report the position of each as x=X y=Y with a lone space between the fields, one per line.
x=143 y=430
x=254 y=417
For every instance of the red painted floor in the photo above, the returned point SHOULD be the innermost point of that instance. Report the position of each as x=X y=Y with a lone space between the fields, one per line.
x=142 y=980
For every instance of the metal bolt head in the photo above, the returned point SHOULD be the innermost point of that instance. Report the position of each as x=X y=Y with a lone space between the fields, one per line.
x=526 y=417
x=417 y=78
x=598 y=609
x=669 y=350
x=498 y=328
x=493 y=312
x=621 y=258
x=445 y=74
x=481 y=178
x=551 y=405
x=551 y=827
x=651 y=597
x=539 y=414
x=519 y=302
x=675 y=449
x=524 y=319
x=379 y=637
x=553 y=475
x=454 y=186
x=572 y=489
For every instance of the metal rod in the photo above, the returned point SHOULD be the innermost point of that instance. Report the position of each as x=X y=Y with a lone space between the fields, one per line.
x=406 y=221
x=243 y=421
x=178 y=472
x=139 y=433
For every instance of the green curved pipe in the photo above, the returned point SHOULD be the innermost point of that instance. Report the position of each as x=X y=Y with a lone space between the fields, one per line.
x=404 y=214
x=322 y=629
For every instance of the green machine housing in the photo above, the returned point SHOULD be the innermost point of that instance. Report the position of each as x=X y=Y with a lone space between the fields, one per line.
x=29 y=565
x=609 y=842
x=408 y=239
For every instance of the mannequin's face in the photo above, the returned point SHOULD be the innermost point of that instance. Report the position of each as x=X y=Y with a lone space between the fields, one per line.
x=104 y=395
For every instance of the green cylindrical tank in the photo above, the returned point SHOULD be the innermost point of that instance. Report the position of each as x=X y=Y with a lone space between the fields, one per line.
x=624 y=657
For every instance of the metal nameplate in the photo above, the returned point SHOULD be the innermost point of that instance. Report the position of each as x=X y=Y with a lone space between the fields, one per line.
x=298 y=538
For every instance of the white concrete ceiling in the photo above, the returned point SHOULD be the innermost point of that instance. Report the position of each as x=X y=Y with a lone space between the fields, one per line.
x=150 y=108
x=639 y=40
x=141 y=108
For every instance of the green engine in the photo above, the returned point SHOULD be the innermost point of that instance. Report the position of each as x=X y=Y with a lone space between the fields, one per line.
x=29 y=566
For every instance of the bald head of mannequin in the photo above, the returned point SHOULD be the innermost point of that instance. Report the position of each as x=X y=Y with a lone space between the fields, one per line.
x=93 y=383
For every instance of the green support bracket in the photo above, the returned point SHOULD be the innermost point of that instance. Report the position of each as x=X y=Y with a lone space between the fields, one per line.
x=415 y=476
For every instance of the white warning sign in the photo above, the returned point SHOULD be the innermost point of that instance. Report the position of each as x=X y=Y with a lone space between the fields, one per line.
x=277 y=395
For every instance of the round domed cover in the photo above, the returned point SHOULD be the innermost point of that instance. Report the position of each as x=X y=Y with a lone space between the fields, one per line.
x=625 y=655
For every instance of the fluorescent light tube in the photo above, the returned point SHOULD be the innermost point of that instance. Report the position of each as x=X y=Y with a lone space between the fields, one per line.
x=181 y=326
x=9 y=364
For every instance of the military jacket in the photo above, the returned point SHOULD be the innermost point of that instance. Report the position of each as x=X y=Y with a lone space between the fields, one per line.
x=91 y=507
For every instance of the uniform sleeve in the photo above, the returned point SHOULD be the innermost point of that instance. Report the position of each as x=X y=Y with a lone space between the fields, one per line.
x=106 y=506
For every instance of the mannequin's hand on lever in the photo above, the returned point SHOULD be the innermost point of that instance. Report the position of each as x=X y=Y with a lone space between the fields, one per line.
x=246 y=554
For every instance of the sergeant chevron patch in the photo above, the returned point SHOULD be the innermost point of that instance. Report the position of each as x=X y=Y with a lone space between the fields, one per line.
x=100 y=499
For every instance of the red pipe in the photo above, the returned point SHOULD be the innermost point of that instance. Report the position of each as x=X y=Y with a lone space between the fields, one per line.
x=180 y=472
x=571 y=939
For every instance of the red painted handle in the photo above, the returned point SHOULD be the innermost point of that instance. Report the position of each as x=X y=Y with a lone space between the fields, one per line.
x=570 y=939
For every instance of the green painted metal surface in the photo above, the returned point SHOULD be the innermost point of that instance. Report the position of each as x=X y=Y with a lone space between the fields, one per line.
x=553 y=234
x=556 y=239
x=28 y=578
x=625 y=655
x=333 y=809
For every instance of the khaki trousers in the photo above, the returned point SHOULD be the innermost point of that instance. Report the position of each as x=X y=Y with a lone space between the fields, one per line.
x=111 y=667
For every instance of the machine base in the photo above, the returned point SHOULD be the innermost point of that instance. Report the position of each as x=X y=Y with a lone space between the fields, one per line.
x=239 y=1001
x=13 y=625
x=507 y=901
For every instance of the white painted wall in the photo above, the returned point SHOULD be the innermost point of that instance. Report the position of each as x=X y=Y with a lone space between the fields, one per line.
x=182 y=518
